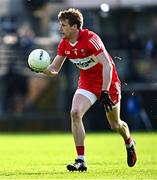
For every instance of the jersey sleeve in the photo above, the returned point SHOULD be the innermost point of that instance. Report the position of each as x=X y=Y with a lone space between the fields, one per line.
x=95 y=45
x=60 y=49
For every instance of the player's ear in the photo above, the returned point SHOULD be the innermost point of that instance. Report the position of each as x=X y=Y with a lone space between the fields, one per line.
x=74 y=26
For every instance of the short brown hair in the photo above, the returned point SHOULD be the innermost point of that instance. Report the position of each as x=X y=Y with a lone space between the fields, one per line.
x=74 y=16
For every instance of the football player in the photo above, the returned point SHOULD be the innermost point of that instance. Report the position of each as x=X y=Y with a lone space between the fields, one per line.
x=98 y=80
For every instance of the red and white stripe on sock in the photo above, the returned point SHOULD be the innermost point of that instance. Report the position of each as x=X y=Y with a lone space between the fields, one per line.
x=129 y=142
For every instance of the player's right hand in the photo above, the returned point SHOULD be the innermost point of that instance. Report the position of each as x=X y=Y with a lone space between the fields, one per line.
x=106 y=101
x=50 y=71
x=46 y=72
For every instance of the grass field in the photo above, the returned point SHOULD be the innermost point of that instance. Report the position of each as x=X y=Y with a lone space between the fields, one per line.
x=44 y=156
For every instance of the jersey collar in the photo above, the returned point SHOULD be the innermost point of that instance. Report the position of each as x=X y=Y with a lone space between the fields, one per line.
x=78 y=38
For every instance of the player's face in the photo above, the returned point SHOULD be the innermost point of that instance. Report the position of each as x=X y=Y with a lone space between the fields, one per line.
x=67 y=30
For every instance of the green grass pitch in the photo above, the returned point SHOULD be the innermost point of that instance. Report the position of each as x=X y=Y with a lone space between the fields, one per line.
x=45 y=155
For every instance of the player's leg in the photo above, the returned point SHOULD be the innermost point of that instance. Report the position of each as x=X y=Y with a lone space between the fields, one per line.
x=82 y=101
x=116 y=123
x=120 y=126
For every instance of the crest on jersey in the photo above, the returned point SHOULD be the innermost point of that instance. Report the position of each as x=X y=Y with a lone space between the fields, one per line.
x=83 y=51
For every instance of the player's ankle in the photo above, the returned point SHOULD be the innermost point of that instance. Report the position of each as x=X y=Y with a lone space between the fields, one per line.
x=82 y=157
x=129 y=142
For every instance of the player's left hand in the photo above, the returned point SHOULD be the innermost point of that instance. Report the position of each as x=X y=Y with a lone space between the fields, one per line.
x=106 y=101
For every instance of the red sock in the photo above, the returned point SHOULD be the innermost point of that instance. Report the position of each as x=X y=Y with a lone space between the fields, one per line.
x=128 y=141
x=80 y=150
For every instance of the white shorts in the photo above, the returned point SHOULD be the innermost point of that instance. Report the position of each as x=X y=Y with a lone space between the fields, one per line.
x=91 y=96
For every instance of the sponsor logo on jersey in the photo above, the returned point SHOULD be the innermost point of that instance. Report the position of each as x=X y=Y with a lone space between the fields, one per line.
x=85 y=63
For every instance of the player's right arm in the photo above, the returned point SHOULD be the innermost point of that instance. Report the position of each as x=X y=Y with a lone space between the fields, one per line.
x=54 y=68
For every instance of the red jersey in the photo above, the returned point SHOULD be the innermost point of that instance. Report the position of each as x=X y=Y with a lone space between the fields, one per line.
x=83 y=54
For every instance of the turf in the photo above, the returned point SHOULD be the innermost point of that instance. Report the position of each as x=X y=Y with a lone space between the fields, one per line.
x=45 y=155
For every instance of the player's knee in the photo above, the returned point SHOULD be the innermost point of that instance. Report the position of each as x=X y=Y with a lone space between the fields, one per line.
x=75 y=114
x=115 y=126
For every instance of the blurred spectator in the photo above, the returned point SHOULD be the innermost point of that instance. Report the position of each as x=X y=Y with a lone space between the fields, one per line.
x=19 y=46
x=151 y=48
x=134 y=45
x=134 y=50
x=26 y=39
x=136 y=113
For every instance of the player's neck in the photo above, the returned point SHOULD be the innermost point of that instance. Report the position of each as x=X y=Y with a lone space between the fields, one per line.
x=74 y=37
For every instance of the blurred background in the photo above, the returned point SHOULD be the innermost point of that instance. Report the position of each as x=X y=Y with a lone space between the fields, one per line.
x=34 y=102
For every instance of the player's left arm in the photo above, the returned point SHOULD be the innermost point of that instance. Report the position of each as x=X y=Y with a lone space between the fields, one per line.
x=96 y=46
x=103 y=59
x=105 y=98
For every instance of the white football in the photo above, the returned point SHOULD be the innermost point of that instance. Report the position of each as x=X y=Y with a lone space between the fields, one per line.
x=39 y=60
